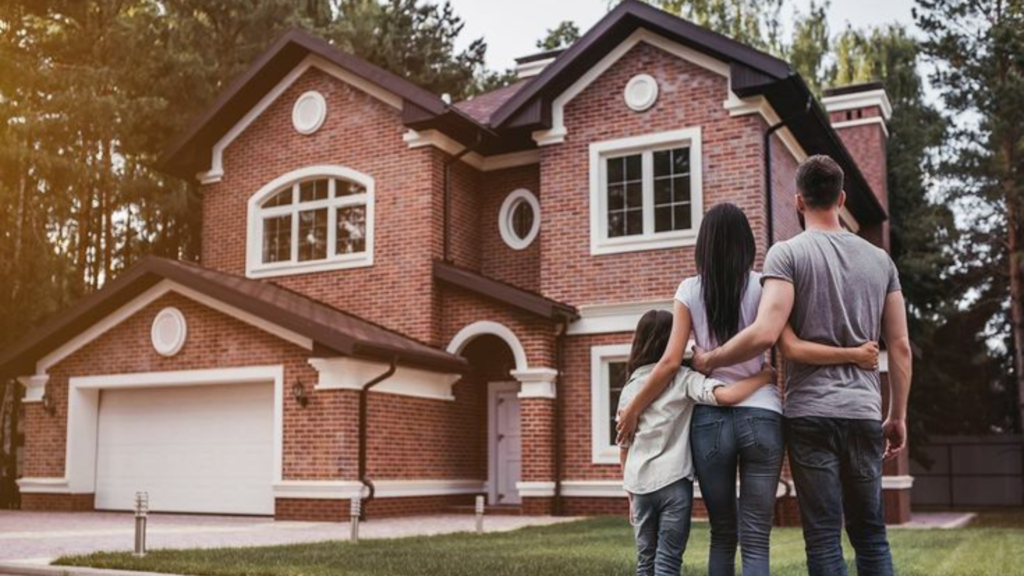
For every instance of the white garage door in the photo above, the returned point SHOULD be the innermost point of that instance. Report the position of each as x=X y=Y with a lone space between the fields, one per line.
x=207 y=449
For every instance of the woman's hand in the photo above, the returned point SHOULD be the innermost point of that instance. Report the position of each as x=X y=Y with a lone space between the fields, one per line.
x=625 y=426
x=865 y=356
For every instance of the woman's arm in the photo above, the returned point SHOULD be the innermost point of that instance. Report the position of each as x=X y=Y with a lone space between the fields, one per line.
x=739 y=391
x=660 y=377
x=864 y=356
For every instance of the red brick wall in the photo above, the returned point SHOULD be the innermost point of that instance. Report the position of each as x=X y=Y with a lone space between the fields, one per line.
x=410 y=438
x=499 y=261
x=340 y=510
x=784 y=212
x=362 y=133
x=467 y=221
x=867 y=144
x=732 y=171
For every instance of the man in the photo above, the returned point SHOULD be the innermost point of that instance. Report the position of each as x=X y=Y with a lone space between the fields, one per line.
x=835 y=288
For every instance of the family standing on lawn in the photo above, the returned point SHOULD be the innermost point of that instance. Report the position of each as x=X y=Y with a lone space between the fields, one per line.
x=825 y=297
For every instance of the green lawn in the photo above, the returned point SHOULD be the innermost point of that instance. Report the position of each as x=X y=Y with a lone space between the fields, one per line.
x=594 y=547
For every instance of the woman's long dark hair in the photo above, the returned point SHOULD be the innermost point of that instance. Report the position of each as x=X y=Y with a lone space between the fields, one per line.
x=650 y=339
x=725 y=255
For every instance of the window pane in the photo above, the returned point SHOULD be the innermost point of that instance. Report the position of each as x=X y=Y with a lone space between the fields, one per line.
x=351 y=237
x=663 y=218
x=662 y=191
x=277 y=239
x=616 y=382
x=346 y=188
x=681 y=161
x=313 y=235
x=662 y=163
x=681 y=189
x=616 y=224
x=282 y=198
x=633 y=171
x=634 y=195
x=634 y=222
x=616 y=170
x=522 y=219
x=682 y=217
x=313 y=190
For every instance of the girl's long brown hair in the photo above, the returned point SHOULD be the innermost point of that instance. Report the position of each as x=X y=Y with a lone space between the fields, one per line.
x=650 y=339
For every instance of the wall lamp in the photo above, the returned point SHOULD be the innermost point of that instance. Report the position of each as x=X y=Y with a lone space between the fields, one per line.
x=299 y=393
x=49 y=406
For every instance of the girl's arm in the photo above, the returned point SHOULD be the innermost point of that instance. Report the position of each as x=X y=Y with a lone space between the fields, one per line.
x=739 y=391
x=864 y=356
x=660 y=377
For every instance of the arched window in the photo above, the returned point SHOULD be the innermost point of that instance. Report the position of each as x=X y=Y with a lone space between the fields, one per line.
x=310 y=220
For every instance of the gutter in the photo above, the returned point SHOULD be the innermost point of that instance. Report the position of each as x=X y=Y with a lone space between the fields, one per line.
x=769 y=216
x=364 y=394
x=559 y=428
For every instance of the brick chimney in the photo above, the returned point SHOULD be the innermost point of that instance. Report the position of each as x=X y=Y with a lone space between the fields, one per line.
x=858 y=113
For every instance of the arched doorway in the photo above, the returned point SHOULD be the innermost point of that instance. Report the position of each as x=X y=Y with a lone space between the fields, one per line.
x=492 y=359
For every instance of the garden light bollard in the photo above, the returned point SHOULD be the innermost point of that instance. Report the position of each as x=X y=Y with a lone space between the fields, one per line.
x=356 y=512
x=479 y=514
x=141 y=511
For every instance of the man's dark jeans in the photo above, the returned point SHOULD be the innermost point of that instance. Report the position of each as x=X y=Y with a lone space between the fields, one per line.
x=837 y=468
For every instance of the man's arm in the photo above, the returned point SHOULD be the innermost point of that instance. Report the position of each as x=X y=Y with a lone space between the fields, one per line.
x=772 y=316
x=897 y=344
x=864 y=356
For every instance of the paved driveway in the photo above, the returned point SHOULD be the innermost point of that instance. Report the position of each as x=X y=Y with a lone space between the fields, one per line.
x=39 y=537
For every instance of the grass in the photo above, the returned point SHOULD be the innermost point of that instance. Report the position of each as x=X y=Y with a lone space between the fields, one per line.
x=593 y=547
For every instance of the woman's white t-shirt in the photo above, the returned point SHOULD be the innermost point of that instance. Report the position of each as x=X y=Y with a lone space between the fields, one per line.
x=689 y=294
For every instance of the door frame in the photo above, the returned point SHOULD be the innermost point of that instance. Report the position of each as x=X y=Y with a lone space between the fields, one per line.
x=493 y=388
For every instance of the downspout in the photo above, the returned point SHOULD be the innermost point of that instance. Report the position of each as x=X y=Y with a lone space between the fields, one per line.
x=563 y=329
x=364 y=394
x=769 y=211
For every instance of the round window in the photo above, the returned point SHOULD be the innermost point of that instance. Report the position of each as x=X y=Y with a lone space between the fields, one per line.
x=309 y=112
x=169 y=331
x=519 y=219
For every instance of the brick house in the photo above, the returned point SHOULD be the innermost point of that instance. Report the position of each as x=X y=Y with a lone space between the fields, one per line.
x=433 y=300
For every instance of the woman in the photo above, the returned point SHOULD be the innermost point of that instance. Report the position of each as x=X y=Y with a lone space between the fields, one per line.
x=712 y=307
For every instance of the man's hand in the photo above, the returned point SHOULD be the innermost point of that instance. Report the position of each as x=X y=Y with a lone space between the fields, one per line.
x=865 y=356
x=625 y=426
x=895 y=432
x=701 y=360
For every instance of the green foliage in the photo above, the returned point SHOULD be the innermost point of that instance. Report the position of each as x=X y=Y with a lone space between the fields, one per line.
x=753 y=22
x=978 y=52
x=561 y=36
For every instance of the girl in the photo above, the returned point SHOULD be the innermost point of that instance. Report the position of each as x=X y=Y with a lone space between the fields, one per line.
x=711 y=308
x=657 y=468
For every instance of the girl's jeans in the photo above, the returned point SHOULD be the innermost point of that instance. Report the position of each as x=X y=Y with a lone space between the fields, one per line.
x=721 y=438
x=661 y=522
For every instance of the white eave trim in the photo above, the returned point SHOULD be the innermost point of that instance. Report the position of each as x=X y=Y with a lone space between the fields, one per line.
x=531 y=69
x=612 y=318
x=536 y=489
x=345 y=373
x=855 y=100
x=863 y=122
x=43 y=485
x=439 y=140
x=216 y=171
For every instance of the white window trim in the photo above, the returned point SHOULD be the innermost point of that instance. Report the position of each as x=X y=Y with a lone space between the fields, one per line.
x=599 y=151
x=601 y=451
x=255 y=268
x=505 y=219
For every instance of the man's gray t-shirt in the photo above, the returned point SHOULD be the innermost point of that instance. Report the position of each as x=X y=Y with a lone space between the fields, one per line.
x=840 y=282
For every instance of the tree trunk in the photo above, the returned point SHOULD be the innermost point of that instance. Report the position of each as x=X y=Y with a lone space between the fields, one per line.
x=1013 y=226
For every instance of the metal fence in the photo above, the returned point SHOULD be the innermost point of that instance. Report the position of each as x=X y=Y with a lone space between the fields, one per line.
x=970 y=471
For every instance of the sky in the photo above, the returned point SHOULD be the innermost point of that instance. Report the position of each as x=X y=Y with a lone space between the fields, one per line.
x=511 y=27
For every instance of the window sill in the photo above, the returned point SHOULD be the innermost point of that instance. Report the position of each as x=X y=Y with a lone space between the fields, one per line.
x=643 y=243
x=309 y=267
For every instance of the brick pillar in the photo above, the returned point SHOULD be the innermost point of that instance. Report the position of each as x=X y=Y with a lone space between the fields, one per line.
x=896 y=478
x=537 y=418
x=858 y=113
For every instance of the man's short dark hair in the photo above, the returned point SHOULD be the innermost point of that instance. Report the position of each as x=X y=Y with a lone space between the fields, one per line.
x=819 y=179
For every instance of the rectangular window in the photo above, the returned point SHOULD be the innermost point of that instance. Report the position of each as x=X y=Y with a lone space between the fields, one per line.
x=607 y=379
x=645 y=192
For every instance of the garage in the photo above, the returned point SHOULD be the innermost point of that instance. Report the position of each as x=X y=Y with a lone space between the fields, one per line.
x=197 y=449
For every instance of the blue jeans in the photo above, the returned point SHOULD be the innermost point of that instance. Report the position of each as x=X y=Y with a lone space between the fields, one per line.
x=721 y=438
x=837 y=468
x=661 y=523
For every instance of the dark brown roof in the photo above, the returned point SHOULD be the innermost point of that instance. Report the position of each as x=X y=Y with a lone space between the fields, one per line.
x=481 y=107
x=502 y=292
x=854 y=88
x=332 y=331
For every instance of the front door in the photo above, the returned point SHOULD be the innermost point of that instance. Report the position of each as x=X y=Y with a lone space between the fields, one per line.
x=505 y=442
